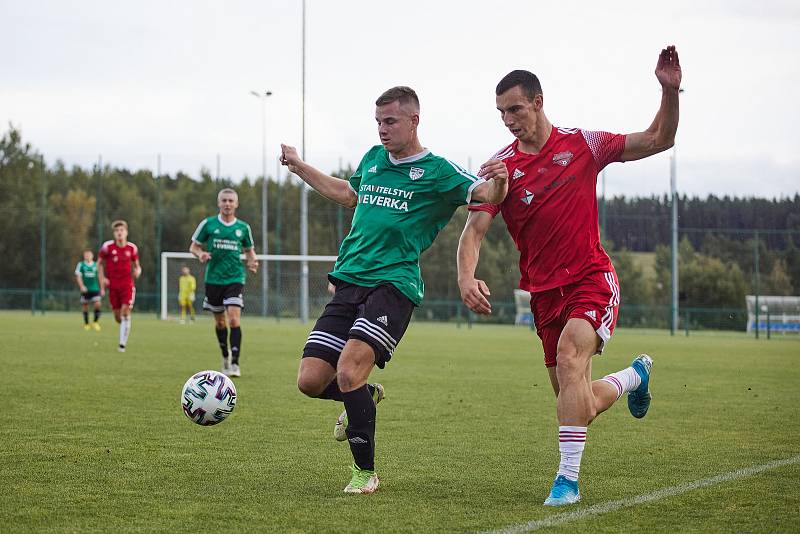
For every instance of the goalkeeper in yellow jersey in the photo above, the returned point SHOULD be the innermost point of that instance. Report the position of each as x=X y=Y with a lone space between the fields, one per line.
x=186 y=288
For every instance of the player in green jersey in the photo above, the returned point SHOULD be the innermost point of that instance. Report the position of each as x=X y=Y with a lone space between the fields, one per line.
x=403 y=195
x=86 y=278
x=225 y=238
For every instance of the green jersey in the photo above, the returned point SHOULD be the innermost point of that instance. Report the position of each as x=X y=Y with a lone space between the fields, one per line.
x=88 y=273
x=402 y=206
x=225 y=242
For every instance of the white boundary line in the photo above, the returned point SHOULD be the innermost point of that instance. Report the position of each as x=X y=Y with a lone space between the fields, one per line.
x=611 y=506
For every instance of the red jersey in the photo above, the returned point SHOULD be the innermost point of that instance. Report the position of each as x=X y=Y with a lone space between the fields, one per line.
x=117 y=262
x=551 y=206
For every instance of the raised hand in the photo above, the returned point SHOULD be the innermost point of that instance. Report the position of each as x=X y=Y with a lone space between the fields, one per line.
x=668 y=68
x=290 y=158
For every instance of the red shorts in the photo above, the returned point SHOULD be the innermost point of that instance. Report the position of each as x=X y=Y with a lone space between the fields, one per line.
x=118 y=296
x=594 y=299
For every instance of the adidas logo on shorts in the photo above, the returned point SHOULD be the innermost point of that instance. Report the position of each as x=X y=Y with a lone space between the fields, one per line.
x=357 y=440
x=383 y=319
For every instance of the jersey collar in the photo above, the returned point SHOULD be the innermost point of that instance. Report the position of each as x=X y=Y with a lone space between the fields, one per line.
x=550 y=140
x=409 y=159
x=219 y=218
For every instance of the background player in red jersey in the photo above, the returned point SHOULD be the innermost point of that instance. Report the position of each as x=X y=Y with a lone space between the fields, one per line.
x=114 y=263
x=551 y=213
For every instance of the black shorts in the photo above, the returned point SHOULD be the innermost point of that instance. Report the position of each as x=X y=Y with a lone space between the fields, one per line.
x=219 y=297
x=377 y=316
x=90 y=296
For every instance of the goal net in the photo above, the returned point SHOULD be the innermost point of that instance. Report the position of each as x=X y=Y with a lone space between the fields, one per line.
x=275 y=291
x=776 y=314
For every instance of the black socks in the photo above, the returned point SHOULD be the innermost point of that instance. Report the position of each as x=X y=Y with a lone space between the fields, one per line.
x=361 y=426
x=222 y=337
x=86 y=317
x=236 y=343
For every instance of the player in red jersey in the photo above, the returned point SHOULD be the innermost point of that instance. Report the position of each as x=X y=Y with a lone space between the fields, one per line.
x=551 y=213
x=114 y=264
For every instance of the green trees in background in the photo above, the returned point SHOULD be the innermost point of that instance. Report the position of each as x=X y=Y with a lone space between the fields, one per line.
x=716 y=268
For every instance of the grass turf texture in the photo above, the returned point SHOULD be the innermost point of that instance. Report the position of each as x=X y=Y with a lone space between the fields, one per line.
x=95 y=440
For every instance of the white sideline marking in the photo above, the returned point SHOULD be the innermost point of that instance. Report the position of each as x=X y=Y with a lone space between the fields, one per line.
x=611 y=506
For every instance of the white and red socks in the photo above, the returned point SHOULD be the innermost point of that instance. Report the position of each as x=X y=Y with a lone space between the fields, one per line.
x=624 y=381
x=124 y=330
x=571 y=440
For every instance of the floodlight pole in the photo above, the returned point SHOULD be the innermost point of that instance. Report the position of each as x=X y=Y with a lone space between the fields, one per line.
x=157 y=246
x=43 y=237
x=674 y=196
x=264 y=239
x=303 y=188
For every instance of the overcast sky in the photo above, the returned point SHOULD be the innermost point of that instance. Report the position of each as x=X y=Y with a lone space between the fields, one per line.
x=135 y=79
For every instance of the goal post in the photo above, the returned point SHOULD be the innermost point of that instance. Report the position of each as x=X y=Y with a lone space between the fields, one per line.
x=282 y=289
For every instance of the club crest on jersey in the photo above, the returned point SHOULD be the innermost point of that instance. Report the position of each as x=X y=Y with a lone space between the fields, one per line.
x=416 y=173
x=527 y=198
x=517 y=174
x=562 y=158
x=238 y=233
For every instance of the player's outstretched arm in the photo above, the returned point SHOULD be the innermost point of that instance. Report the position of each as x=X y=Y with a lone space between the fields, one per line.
x=661 y=134
x=494 y=190
x=330 y=187
x=474 y=292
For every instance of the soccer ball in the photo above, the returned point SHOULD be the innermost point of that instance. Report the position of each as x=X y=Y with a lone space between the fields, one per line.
x=208 y=397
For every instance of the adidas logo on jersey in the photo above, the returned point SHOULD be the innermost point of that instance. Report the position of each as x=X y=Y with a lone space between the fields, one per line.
x=527 y=198
x=517 y=174
x=383 y=319
x=591 y=314
x=374 y=168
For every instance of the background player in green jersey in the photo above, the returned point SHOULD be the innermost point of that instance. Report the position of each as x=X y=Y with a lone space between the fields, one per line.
x=86 y=278
x=403 y=196
x=225 y=237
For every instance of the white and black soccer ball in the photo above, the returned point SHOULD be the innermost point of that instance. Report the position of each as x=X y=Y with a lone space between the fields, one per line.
x=208 y=397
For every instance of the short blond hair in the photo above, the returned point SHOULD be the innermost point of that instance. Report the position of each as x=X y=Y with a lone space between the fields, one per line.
x=227 y=190
x=119 y=222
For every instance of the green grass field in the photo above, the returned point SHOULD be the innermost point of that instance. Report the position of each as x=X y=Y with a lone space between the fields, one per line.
x=467 y=436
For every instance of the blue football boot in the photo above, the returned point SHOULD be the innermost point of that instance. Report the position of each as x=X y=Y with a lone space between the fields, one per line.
x=639 y=398
x=564 y=491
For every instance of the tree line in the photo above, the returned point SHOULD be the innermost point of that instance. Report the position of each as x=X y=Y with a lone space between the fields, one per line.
x=74 y=207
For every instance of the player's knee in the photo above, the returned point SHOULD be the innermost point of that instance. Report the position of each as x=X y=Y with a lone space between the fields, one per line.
x=309 y=386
